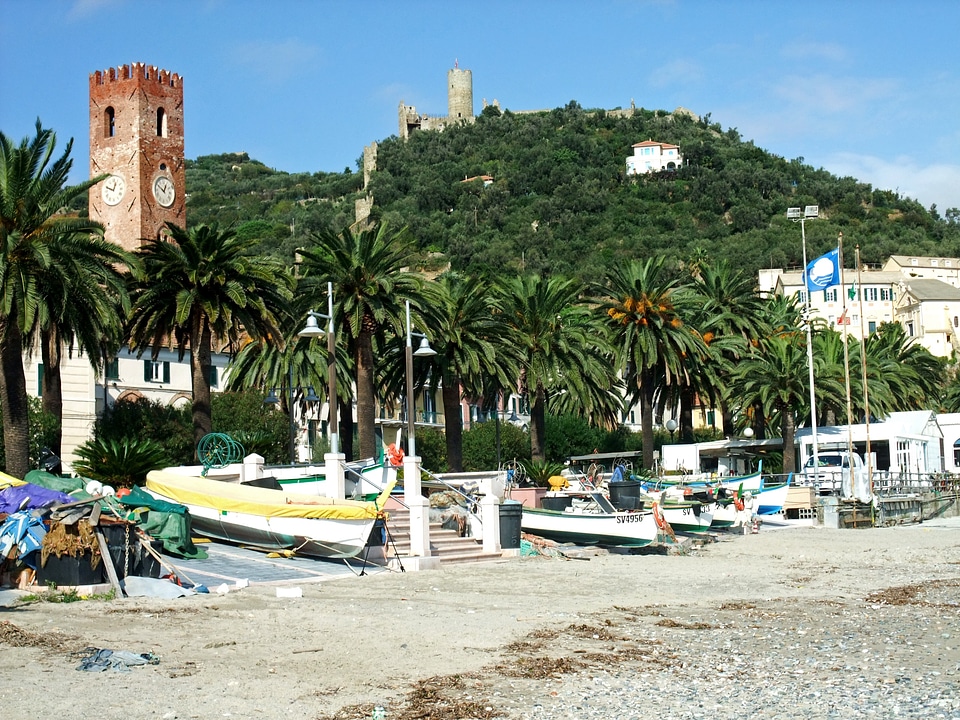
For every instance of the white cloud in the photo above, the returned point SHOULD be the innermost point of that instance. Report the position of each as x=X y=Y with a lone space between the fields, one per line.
x=277 y=62
x=676 y=73
x=937 y=183
x=806 y=50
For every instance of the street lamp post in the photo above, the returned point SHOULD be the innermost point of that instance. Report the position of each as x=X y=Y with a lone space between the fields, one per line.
x=311 y=330
x=423 y=351
x=412 y=494
x=810 y=212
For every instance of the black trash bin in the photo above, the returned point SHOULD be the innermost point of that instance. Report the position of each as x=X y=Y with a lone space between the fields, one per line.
x=626 y=495
x=510 y=513
x=557 y=502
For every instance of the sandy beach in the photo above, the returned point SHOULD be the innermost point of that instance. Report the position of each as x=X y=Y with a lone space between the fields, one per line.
x=797 y=622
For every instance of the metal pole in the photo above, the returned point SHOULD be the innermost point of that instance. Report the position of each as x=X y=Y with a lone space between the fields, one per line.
x=293 y=425
x=846 y=358
x=332 y=374
x=863 y=369
x=809 y=323
x=411 y=439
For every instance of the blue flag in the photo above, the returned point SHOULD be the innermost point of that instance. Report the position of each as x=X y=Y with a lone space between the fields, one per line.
x=823 y=272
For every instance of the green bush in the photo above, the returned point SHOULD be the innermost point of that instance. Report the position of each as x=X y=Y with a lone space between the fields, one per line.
x=260 y=428
x=480 y=445
x=170 y=427
x=568 y=435
x=120 y=463
x=43 y=430
x=432 y=449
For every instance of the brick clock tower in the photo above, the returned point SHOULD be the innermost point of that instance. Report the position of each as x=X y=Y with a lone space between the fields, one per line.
x=136 y=135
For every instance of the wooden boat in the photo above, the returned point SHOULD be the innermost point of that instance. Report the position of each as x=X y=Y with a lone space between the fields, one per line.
x=769 y=499
x=685 y=511
x=590 y=519
x=271 y=519
x=362 y=480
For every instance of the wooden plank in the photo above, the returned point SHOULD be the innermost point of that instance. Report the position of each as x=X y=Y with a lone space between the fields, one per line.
x=108 y=561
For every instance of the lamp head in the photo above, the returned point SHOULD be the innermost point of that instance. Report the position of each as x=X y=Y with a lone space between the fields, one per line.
x=748 y=432
x=425 y=350
x=272 y=398
x=312 y=329
x=670 y=425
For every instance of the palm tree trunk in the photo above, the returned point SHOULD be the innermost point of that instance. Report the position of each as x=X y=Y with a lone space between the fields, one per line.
x=686 y=414
x=13 y=396
x=538 y=426
x=646 y=417
x=200 y=375
x=345 y=421
x=366 y=399
x=452 y=424
x=51 y=353
x=789 y=431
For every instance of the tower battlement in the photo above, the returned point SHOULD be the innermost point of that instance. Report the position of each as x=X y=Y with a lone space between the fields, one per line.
x=140 y=73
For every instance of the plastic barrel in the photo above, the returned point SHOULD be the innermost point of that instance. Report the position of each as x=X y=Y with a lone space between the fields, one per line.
x=510 y=514
x=559 y=503
x=626 y=495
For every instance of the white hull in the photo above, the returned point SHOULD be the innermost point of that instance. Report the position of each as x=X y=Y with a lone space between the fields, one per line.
x=618 y=529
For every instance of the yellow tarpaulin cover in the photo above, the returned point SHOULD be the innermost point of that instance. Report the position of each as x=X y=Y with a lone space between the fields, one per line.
x=8 y=481
x=234 y=497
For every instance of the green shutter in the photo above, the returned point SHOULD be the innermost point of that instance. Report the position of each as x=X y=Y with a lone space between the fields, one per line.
x=40 y=380
x=147 y=371
x=166 y=371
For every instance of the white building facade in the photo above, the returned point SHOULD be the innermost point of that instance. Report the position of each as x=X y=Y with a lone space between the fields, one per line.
x=651 y=156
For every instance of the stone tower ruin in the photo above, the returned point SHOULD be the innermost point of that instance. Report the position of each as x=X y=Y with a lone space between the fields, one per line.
x=459 y=95
x=136 y=136
x=459 y=106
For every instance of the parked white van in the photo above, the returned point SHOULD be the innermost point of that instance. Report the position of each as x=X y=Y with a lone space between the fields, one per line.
x=832 y=477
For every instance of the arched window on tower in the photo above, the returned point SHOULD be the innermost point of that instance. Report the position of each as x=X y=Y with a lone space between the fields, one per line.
x=109 y=123
x=161 y=123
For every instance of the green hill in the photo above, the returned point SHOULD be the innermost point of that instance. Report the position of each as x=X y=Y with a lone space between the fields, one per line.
x=560 y=201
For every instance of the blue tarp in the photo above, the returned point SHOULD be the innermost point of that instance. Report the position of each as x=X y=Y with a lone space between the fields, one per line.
x=28 y=495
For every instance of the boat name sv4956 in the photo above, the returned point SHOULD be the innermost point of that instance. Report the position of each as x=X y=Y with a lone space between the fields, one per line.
x=631 y=518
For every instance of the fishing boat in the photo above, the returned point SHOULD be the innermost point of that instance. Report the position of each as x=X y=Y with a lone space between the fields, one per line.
x=271 y=519
x=589 y=519
x=362 y=480
x=686 y=510
x=769 y=499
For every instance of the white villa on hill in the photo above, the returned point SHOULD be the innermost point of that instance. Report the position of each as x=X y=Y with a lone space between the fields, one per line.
x=651 y=156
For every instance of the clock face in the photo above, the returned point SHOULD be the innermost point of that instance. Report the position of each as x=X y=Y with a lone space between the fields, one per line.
x=163 y=191
x=112 y=189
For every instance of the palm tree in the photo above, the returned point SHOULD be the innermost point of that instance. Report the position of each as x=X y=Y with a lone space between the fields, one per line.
x=565 y=353
x=85 y=300
x=652 y=340
x=730 y=318
x=473 y=350
x=204 y=286
x=33 y=191
x=776 y=379
x=370 y=285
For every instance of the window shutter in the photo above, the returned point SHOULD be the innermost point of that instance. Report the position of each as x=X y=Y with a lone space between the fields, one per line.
x=213 y=376
x=166 y=371
x=40 y=380
x=147 y=371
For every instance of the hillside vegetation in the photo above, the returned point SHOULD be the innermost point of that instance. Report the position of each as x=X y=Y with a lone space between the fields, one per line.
x=560 y=202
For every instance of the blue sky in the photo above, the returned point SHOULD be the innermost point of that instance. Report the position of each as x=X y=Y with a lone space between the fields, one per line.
x=868 y=89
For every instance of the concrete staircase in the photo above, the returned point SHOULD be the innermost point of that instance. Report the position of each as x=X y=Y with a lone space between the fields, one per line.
x=445 y=545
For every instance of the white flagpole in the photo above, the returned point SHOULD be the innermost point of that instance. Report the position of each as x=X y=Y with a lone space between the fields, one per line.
x=808 y=320
x=863 y=369
x=846 y=366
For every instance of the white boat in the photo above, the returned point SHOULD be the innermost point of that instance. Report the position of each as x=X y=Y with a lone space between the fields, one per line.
x=769 y=500
x=364 y=479
x=590 y=519
x=271 y=519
